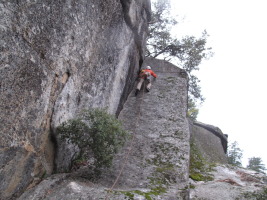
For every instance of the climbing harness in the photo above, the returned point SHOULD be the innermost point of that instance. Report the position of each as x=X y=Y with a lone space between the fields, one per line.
x=144 y=74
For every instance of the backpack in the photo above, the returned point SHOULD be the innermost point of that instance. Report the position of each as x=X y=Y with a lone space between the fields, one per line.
x=144 y=74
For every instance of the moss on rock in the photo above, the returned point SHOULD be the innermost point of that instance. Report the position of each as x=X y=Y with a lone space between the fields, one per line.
x=199 y=168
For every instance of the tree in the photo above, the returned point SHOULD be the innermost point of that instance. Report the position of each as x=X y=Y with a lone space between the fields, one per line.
x=159 y=33
x=187 y=52
x=94 y=132
x=255 y=163
x=192 y=110
x=234 y=154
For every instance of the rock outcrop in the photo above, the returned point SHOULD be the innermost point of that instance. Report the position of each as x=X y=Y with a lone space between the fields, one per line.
x=154 y=163
x=210 y=142
x=58 y=57
x=231 y=183
x=159 y=153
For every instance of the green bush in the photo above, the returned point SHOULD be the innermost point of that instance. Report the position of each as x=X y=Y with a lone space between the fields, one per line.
x=94 y=131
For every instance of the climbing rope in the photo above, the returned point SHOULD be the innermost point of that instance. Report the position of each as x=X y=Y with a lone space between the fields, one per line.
x=131 y=142
x=130 y=148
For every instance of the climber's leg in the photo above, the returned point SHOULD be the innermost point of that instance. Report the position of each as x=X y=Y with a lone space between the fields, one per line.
x=148 y=85
x=138 y=87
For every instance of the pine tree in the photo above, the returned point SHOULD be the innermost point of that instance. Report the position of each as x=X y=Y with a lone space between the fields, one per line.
x=255 y=163
x=187 y=52
x=234 y=154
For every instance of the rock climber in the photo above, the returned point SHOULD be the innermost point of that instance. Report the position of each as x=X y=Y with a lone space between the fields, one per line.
x=145 y=75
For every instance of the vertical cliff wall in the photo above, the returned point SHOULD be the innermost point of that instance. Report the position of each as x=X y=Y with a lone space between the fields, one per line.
x=157 y=152
x=159 y=155
x=58 y=57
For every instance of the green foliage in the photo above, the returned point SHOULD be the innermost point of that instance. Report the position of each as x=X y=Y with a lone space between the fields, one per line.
x=147 y=195
x=192 y=110
x=234 y=154
x=199 y=168
x=192 y=186
x=187 y=52
x=255 y=163
x=159 y=37
x=75 y=131
x=94 y=131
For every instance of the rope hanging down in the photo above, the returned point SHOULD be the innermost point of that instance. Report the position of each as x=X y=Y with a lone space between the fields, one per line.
x=130 y=149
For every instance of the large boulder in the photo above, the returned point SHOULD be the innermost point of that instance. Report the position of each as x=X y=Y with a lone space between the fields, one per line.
x=210 y=141
x=57 y=58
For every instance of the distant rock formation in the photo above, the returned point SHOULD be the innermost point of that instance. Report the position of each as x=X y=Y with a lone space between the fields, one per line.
x=57 y=58
x=210 y=141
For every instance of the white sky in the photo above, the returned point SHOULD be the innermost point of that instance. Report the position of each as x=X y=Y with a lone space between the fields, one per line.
x=234 y=80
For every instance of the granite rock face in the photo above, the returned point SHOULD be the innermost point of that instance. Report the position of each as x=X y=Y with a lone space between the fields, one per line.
x=57 y=58
x=60 y=57
x=159 y=150
x=210 y=141
x=231 y=183
x=154 y=161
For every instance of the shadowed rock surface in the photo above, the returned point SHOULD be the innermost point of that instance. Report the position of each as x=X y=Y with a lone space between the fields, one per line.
x=210 y=141
x=57 y=58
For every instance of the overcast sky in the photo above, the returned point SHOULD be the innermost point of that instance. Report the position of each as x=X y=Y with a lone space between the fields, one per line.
x=234 y=80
